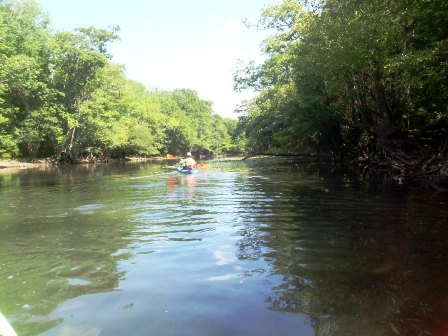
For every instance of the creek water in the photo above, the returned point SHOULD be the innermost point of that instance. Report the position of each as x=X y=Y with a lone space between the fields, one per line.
x=238 y=249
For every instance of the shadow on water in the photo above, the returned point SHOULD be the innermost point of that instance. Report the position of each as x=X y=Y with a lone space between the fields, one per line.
x=357 y=259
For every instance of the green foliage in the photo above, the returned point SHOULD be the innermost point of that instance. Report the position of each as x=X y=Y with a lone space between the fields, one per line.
x=60 y=92
x=99 y=38
x=339 y=70
x=198 y=130
x=8 y=146
x=24 y=75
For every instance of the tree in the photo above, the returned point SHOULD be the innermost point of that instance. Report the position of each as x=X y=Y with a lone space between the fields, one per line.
x=77 y=59
x=27 y=118
x=198 y=122
x=60 y=95
x=353 y=76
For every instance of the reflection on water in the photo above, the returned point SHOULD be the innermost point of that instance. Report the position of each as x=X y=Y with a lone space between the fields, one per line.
x=355 y=263
x=141 y=249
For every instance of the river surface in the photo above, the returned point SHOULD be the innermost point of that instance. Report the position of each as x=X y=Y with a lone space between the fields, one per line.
x=238 y=249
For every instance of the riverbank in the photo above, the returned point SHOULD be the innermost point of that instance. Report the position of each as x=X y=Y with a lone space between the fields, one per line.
x=16 y=164
x=20 y=164
x=433 y=177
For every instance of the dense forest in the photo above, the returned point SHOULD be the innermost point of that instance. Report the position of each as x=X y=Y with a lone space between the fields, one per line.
x=61 y=96
x=365 y=80
x=362 y=80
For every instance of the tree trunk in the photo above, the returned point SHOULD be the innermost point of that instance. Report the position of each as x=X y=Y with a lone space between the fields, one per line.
x=72 y=139
x=386 y=126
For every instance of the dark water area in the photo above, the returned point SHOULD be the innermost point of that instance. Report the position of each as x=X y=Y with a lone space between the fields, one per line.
x=238 y=249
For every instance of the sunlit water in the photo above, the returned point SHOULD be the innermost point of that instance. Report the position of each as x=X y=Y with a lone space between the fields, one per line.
x=139 y=249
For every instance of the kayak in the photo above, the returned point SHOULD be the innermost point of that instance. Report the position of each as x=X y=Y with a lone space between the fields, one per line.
x=187 y=171
x=5 y=328
x=182 y=170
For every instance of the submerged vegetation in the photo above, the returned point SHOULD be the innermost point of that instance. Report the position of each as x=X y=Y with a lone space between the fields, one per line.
x=61 y=96
x=360 y=80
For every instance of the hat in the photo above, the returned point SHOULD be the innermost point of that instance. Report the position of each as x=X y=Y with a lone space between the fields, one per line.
x=188 y=154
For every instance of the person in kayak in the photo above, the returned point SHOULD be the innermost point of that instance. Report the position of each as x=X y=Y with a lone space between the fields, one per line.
x=188 y=162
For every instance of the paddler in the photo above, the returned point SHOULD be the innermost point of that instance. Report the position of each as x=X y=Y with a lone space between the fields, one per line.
x=188 y=162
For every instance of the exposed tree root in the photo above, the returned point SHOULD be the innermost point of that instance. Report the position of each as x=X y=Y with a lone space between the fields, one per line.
x=415 y=162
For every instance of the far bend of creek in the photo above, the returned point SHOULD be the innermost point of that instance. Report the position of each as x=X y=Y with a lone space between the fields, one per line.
x=238 y=249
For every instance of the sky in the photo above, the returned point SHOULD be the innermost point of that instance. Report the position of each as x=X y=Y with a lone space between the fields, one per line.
x=170 y=44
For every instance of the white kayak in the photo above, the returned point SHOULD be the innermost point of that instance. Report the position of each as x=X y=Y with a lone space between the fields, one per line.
x=5 y=328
